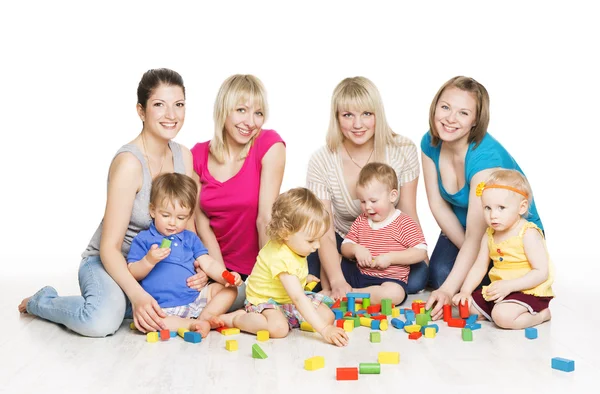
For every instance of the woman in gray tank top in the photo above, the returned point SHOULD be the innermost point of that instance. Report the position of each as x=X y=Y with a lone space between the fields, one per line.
x=106 y=283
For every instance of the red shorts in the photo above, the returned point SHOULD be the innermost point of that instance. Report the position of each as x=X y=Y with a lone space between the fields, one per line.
x=534 y=304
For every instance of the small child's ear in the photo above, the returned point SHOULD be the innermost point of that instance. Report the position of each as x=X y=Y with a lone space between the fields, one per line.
x=393 y=196
x=151 y=209
x=524 y=207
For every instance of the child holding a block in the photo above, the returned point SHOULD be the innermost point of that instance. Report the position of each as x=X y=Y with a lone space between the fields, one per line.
x=163 y=271
x=275 y=297
x=383 y=241
x=521 y=279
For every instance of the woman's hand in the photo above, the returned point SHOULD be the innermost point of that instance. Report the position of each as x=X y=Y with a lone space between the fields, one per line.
x=437 y=300
x=199 y=280
x=147 y=314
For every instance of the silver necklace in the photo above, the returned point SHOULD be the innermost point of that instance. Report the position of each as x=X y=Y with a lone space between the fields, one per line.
x=354 y=161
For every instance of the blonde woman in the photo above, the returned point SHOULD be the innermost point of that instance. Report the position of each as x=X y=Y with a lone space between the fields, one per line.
x=358 y=134
x=239 y=173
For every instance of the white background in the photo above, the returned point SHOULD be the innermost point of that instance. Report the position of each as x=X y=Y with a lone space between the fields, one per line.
x=70 y=72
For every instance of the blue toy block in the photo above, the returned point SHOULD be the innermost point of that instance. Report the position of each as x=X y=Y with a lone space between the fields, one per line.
x=472 y=319
x=362 y=312
x=409 y=315
x=351 y=305
x=192 y=337
x=375 y=324
x=531 y=333
x=397 y=323
x=563 y=364
x=337 y=313
x=358 y=295
x=173 y=334
x=474 y=326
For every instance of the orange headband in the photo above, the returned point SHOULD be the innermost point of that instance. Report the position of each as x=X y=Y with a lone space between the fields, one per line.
x=482 y=186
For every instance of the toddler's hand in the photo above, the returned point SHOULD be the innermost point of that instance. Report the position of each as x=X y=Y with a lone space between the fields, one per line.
x=460 y=298
x=382 y=261
x=237 y=281
x=312 y=278
x=335 y=335
x=363 y=256
x=156 y=254
x=498 y=290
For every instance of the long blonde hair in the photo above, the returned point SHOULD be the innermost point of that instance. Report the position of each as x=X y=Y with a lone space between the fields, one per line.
x=235 y=90
x=359 y=93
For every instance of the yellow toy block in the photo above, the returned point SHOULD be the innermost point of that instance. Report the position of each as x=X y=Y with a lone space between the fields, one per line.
x=430 y=332
x=383 y=325
x=230 y=331
x=357 y=307
x=310 y=286
x=395 y=312
x=181 y=331
x=388 y=358
x=231 y=345
x=348 y=325
x=152 y=337
x=412 y=328
x=366 y=321
x=305 y=326
x=262 y=335
x=419 y=301
x=314 y=363
x=422 y=310
x=132 y=326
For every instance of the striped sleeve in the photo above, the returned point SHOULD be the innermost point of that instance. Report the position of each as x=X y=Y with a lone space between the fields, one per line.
x=408 y=233
x=353 y=233
x=404 y=159
x=316 y=176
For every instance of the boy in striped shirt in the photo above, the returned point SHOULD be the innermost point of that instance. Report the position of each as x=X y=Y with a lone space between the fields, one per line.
x=383 y=241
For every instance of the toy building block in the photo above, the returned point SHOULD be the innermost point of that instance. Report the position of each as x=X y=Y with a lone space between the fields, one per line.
x=336 y=304
x=262 y=335
x=350 y=314
x=310 y=286
x=231 y=345
x=383 y=325
x=165 y=335
x=412 y=328
x=563 y=364
x=369 y=368
x=165 y=243
x=220 y=329
x=358 y=306
x=447 y=312
x=474 y=326
x=416 y=308
x=422 y=319
x=337 y=313
x=463 y=309
x=434 y=326
x=379 y=317
x=230 y=331
x=415 y=335
x=376 y=324
x=395 y=312
x=430 y=332
x=386 y=306
x=351 y=306
x=173 y=334
x=388 y=358
x=397 y=323
x=229 y=277
x=458 y=323
x=257 y=352
x=365 y=321
x=366 y=302
x=375 y=337
x=531 y=333
x=152 y=337
x=409 y=315
x=374 y=308
x=467 y=335
x=472 y=319
x=314 y=363
x=132 y=326
x=192 y=337
x=348 y=325
x=362 y=296
x=346 y=373
x=305 y=326
x=181 y=331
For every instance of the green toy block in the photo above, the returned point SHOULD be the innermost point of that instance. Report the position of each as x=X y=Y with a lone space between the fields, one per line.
x=369 y=368
x=366 y=303
x=257 y=352
x=375 y=337
x=386 y=306
x=422 y=319
x=165 y=243
x=467 y=334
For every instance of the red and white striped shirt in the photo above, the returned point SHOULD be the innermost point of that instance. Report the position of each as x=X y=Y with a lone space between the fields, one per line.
x=395 y=234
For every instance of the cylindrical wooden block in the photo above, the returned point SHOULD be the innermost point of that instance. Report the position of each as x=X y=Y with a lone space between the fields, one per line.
x=447 y=312
x=369 y=368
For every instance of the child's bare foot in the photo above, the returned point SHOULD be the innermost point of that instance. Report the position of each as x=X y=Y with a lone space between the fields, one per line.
x=23 y=305
x=201 y=326
x=214 y=321
x=228 y=318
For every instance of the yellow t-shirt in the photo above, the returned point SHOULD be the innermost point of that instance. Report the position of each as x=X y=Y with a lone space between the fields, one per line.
x=273 y=259
x=510 y=261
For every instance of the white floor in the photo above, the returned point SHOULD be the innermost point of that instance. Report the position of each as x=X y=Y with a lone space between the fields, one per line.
x=40 y=357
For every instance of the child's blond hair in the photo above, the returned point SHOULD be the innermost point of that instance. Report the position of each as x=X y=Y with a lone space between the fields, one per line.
x=512 y=178
x=171 y=187
x=296 y=210
x=379 y=172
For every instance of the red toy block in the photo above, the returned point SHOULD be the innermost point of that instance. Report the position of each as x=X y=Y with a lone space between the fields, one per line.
x=340 y=323
x=458 y=323
x=379 y=317
x=229 y=277
x=165 y=335
x=346 y=373
x=336 y=304
x=219 y=329
x=447 y=312
x=373 y=309
x=348 y=313
x=415 y=335
x=463 y=309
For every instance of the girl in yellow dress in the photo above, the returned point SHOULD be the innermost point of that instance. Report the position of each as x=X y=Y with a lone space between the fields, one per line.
x=522 y=276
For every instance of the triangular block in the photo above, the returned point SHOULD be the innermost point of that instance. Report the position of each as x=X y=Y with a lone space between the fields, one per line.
x=257 y=352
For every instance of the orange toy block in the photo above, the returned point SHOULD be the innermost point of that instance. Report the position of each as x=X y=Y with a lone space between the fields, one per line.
x=165 y=335
x=388 y=358
x=415 y=335
x=346 y=373
x=231 y=345
x=262 y=335
x=314 y=363
x=463 y=309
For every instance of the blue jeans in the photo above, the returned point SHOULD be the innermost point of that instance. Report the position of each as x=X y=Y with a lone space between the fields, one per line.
x=97 y=312
x=417 y=278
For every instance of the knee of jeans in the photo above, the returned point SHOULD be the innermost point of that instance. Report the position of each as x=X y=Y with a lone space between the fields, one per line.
x=437 y=278
x=102 y=320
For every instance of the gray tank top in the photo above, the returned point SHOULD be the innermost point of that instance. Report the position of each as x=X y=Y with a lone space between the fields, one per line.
x=140 y=215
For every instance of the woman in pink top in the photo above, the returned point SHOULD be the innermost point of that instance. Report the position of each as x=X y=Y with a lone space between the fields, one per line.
x=239 y=172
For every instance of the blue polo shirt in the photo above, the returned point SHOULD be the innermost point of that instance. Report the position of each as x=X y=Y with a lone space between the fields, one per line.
x=489 y=154
x=167 y=280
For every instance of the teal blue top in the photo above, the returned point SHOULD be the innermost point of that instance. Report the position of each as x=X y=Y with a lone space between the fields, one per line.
x=488 y=154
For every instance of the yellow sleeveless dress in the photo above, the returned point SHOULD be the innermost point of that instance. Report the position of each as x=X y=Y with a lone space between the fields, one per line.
x=510 y=262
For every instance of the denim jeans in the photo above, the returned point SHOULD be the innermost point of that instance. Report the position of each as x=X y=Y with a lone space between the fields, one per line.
x=97 y=312
x=417 y=278
x=441 y=261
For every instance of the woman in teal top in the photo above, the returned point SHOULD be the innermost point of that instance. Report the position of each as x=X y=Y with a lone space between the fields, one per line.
x=457 y=154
